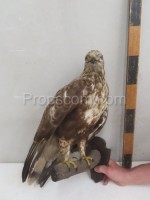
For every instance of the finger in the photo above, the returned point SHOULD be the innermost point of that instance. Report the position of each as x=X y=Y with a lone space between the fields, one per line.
x=112 y=163
x=105 y=180
x=101 y=169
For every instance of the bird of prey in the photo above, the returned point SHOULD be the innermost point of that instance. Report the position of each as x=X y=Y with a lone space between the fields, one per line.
x=77 y=112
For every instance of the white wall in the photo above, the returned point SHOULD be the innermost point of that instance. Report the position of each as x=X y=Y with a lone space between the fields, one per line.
x=42 y=47
x=142 y=129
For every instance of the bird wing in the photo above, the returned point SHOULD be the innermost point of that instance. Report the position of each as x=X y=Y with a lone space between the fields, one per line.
x=53 y=116
x=59 y=108
x=99 y=125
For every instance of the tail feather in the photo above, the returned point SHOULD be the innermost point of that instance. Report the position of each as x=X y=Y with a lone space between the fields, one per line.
x=36 y=166
x=40 y=155
x=32 y=152
x=46 y=173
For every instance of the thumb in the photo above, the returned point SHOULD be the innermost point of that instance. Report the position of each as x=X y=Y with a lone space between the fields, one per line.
x=101 y=169
x=112 y=163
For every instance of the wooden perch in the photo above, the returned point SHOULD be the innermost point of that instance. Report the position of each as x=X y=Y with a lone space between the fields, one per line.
x=96 y=148
x=61 y=171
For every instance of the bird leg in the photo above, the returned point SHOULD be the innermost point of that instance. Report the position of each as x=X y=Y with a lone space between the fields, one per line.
x=65 y=153
x=82 y=147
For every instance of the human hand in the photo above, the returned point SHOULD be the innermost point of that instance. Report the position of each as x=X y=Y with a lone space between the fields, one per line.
x=114 y=172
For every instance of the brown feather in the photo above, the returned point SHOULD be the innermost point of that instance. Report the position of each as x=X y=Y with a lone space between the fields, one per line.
x=34 y=148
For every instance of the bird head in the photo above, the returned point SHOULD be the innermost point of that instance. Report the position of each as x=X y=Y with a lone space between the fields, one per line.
x=94 y=62
x=94 y=56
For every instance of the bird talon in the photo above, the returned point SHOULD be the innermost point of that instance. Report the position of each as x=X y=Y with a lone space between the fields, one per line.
x=69 y=163
x=88 y=159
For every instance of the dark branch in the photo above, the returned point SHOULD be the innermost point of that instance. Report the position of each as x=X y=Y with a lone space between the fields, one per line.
x=61 y=171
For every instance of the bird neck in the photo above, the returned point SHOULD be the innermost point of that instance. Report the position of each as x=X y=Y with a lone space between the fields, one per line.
x=91 y=69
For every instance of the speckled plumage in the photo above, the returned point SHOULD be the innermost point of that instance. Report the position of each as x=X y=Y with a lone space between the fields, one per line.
x=77 y=113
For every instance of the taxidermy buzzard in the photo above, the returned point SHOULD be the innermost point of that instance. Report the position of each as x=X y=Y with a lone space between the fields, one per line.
x=77 y=112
